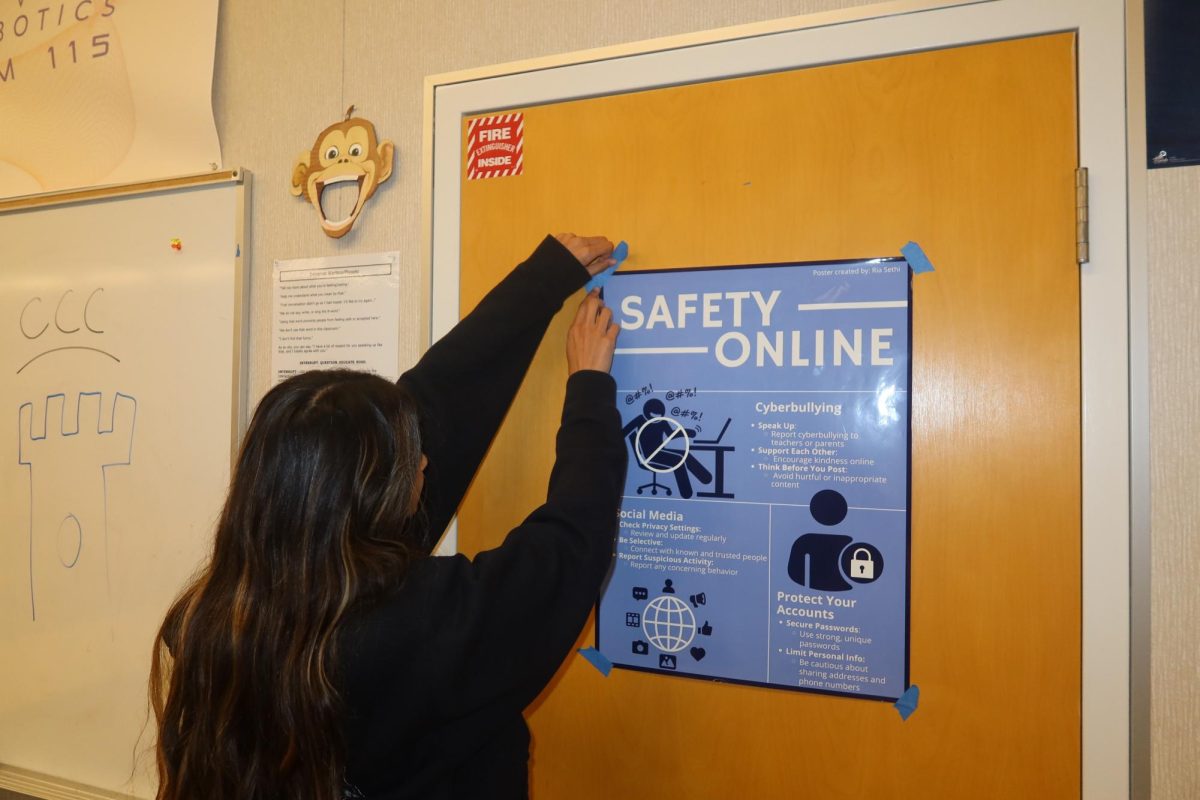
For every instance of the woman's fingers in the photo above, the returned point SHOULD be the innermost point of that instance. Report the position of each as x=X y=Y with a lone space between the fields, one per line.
x=587 y=309
x=593 y=252
x=592 y=336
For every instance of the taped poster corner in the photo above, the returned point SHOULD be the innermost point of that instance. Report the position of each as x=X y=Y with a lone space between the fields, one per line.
x=597 y=660
x=619 y=254
x=907 y=703
x=916 y=258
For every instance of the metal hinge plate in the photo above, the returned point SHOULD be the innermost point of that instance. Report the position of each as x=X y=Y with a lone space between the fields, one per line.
x=1081 y=215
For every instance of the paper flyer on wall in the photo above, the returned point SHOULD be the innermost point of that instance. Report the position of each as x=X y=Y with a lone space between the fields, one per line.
x=336 y=313
x=764 y=532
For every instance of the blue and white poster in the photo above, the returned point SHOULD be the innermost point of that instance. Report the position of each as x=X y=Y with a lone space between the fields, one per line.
x=764 y=534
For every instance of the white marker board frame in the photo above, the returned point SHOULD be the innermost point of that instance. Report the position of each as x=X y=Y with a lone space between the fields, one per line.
x=126 y=353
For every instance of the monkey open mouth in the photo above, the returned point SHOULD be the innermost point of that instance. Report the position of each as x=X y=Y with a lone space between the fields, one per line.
x=337 y=197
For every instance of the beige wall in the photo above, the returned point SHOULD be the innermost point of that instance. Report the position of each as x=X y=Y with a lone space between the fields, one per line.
x=287 y=68
x=1174 y=284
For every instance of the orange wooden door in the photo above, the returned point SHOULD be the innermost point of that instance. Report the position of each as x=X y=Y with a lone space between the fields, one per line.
x=971 y=153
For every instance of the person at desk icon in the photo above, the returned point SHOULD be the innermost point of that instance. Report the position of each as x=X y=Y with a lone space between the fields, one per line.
x=661 y=444
x=718 y=450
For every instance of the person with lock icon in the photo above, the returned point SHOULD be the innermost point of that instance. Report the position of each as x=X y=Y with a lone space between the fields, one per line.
x=824 y=561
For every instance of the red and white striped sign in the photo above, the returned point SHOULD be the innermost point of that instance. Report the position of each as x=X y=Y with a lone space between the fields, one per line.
x=495 y=146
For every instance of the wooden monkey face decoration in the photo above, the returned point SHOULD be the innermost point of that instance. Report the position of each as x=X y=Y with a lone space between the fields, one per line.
x=345 y=152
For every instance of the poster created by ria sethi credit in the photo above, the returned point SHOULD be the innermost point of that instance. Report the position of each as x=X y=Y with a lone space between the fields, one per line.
x=764 y=532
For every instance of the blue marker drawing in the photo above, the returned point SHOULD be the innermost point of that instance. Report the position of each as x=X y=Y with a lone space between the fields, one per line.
x=70 y=541
x=37 y=311
x=68 y=456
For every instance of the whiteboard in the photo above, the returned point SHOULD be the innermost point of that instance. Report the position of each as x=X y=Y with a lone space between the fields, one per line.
x=121 y=345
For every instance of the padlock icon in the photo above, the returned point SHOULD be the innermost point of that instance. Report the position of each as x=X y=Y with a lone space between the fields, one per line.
x=862 y=567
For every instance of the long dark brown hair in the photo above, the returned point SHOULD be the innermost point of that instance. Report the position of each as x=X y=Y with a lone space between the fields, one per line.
x=242 y=679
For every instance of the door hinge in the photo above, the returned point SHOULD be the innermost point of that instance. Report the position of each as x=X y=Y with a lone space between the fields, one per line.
x=1081 y=215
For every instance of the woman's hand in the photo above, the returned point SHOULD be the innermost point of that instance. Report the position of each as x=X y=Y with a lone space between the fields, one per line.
x=592 y=337
x=594 y=252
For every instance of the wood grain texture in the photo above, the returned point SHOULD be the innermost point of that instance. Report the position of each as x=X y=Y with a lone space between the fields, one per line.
x=969 y=152
x=1174 y=282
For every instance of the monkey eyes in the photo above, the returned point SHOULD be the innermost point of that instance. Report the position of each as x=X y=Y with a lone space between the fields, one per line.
x=332 y=152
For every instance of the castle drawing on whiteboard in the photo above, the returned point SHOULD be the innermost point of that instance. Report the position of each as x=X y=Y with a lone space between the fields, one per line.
x=67 y=442
x=68 y=452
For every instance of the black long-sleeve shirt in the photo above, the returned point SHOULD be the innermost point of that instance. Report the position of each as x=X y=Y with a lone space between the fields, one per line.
x=436 y=674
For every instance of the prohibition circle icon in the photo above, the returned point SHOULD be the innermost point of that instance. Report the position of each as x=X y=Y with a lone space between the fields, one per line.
x=676 y=430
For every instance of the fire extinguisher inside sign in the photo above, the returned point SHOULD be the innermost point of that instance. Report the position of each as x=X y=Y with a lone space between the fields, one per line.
x=495 y=146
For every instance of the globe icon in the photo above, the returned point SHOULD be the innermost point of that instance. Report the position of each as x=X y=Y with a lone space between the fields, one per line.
x=668 y=623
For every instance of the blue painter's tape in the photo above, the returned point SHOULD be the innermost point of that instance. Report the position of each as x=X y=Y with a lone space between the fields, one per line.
x=619 y=253
x=916 y=258
x=907 y=703
x=596 y=659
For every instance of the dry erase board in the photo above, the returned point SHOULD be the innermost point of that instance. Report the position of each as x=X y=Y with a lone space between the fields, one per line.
x=120 y=345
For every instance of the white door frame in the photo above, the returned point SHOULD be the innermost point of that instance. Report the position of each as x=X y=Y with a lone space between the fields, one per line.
x=1115 y=700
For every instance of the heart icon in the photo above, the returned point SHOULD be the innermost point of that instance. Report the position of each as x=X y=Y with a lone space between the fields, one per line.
x=698 y=653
